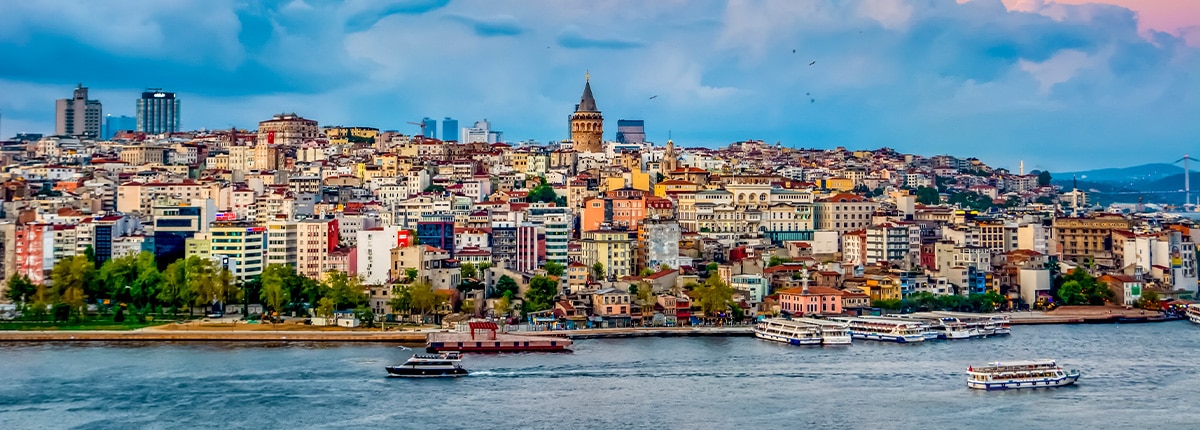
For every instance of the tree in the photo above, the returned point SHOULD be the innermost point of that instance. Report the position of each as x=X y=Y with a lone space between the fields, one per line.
x=714 y=297
x=505 y=284
x=598 y=271
x=891 y=304
x=346 y=291
x=776 y=260
x=468 y=271
x=435 y=189
x=928 y=195
x=541 y=294
x=555 y=269
x=71 y=276
x=410 y=274
x=503 y=306
x=1071 y=293
x=646 y=271
x=365 y=315
x=424 y=298
x=149 y=281
x=20 y=288
x=643 y=294
x=401 y=300
x=175 y=290
x=712 y=267
x=483 y=266
x=1044 y=178
x=326 y=307
x=1012 y=202
x=1149 y=300
x=542 y=193
x=274 y=293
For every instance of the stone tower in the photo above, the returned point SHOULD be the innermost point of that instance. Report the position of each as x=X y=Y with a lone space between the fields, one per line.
x=670 y=159
x=587 y=125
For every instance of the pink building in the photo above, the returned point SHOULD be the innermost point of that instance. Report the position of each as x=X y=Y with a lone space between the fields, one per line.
x=811 y=301
x=34 y=250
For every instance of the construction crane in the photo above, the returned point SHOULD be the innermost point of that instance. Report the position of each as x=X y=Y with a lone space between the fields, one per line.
x=422 y=125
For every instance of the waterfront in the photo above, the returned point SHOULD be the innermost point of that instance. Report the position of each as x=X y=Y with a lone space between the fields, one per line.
x=1134 y=376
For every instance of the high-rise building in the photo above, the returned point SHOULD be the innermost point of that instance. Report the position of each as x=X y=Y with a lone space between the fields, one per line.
x=78 y=116
x=481 y=133
x=449 y=129
x=157 y=112
x=587 y=124
x=429 y=127
x=113 y=124
x=631 y=131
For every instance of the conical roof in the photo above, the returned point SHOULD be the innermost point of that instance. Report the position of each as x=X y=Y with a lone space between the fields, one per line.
x=587 y=103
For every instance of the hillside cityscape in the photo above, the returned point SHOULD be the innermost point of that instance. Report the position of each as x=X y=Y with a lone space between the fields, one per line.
x=344 y=225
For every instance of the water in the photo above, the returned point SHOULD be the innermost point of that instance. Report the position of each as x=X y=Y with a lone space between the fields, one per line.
x=1134 y=376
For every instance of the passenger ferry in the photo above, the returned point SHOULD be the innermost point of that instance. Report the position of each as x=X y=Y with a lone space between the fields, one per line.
x=788 y=331
x=1020 y=374
x=832 y=332
x=942 y=327
x=884 y=329
x=1193 y=313
x=982 y=325
x=444 y=365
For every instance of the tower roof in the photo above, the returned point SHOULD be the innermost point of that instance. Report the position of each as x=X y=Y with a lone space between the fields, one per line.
x=587 y=103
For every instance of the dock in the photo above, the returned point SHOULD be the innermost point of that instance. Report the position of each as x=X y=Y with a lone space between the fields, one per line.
x=485 y=337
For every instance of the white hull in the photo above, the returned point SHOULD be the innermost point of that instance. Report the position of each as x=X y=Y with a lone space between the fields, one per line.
x=788 y=340
x=1024 y=383
x=1194 y=318
x=884 y=337
x=956 y=334
x=835 y=340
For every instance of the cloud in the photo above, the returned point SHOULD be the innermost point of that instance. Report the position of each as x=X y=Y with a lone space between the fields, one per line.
x=500 y=25
x=362 y=14
x=572 y=37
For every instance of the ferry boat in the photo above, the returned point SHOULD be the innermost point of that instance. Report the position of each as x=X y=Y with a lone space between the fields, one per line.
x=884 y=329
x=942 y=327
x=1020 y=374
x=788 y=331
x=444 y=365
x=832 y=332
x=1193 y=313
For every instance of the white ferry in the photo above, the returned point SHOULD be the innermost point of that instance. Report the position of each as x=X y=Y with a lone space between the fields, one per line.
x=884 y=329
x=982 y=325
x=1020 y=374
x=832 y=332
x=942 y=327
x=1193 y=313
x=444 y=365
x=788 y=331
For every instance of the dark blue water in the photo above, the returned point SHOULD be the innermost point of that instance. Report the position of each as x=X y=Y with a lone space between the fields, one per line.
x=1134 y=376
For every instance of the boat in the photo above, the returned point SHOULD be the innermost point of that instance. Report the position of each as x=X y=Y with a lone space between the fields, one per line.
x=832 y=332
x=885 y=329
x=941 y=327
x=1010 y=375
x=1193 y=313
x=444 y=365
x=788 y=331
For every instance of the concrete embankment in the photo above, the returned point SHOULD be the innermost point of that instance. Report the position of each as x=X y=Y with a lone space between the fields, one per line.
x=609 y=333
x=209 y=336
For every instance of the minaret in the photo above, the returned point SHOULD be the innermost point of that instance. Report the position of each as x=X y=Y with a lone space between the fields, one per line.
x=587 y=124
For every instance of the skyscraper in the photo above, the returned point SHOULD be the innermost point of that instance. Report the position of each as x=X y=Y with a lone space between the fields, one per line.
x=78 y=116
x=429 y=128
x=157 y=112
x=631 y=131
x=449 y=129
x=113 y=124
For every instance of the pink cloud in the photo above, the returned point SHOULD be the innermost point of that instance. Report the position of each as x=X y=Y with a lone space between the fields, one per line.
x=1168 y=16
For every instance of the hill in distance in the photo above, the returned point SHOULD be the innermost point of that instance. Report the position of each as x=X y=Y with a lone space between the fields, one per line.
x=1134 y=177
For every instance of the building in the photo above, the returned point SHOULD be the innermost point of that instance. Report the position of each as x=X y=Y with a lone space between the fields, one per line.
x=243 y=243
x=613 y=249
x=612 y=306
x=1088 y=239
x=175 y=223
x=437 y=230
x=429 y=127
x=811 y=301
x=286 y=129
x=78 y=116
x=631 y=131
x=282 y=243
x=157 y=112
x=661 y=242
x=481 y=133
x=449 y=129
x=587 y=124
x=754 y=286
x=315 y=239
x=113 y=124
x=843 y=213
x=374 y=249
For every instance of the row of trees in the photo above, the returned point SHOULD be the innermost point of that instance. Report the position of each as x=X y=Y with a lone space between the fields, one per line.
x=926 y=301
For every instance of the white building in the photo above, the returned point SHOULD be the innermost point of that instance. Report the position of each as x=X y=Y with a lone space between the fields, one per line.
x=375 y=253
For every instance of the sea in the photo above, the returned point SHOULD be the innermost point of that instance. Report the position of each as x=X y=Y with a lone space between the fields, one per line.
x=1135 y=376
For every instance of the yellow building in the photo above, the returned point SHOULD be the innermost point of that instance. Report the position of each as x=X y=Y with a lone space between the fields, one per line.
x=611 y=248
x=343 y=135
x=639 y=180
x=840 y=184
x=882 y=288
x=674 y=186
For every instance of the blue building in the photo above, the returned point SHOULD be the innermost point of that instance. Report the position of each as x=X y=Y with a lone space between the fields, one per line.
x=430 y=127
x=437 y=231
x=157 y=112
x=632 y=131
x=449 y=129
x=113 y=124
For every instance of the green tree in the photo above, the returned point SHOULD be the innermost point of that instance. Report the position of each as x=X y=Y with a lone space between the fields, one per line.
x=346 y=291
x=144 y=289
x=1071 y=293
x=598 y=271
x=646 y=271
x=1044 y=178
x=175 y=290
x=468 y=271
x=712 y=267
x=1149 y=300
x=714 y=297
x=890 y=304
x=555 y=269
x=541 y=294
x=483 y=266
x=410 y=274
x=20 y=288
x=275 y=293
x=971 y=200
x=401 y=301
x=542 y=193
x=776 y=260
x=928 y=195
x=424 y=298
x=326 y=307
x=311 y=289
x=505 y=284
x=503 y=306
x=365 y=315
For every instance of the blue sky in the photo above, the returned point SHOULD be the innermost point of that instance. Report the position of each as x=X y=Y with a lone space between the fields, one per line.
x=1060 y=86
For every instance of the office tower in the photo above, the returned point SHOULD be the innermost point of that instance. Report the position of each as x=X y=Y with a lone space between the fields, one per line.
x=429 y=127
x=631 y=131
x=113 y=124
x=449 y=129
x=157 y=112
x=78 y=116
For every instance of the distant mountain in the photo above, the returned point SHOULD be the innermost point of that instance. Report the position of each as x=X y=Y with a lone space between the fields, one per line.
x=1133 y=177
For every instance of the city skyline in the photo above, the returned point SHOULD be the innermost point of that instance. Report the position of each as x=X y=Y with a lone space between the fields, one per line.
x=1041 y=82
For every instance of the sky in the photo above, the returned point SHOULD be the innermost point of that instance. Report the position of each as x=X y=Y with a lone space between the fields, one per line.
x=1062 y=85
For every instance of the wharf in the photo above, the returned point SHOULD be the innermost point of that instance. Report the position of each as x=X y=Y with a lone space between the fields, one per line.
x=1087 y=315
x=611 y=333
x=209 y=336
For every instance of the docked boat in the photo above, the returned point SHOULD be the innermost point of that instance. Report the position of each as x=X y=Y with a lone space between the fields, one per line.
x=1020 y=374
x=885 y=329
x=788 y=331
x=1193 y=313
x=444 y=365
x=832 y=332
x=942 y=327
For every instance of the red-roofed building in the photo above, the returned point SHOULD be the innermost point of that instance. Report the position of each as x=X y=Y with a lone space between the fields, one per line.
x=811 y=301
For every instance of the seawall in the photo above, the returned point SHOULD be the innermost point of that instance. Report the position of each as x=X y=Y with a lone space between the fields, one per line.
x=209 y=336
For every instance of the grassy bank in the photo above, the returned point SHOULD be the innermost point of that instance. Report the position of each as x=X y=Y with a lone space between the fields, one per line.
x=82 y=325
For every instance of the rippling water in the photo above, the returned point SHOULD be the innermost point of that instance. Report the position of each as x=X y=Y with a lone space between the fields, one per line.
x=1134 y=376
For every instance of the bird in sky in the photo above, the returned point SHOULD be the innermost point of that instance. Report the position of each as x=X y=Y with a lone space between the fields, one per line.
x=653 y=97
x=814 y=62
x=793 y=51
x=808 y=94
x=812 y=100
